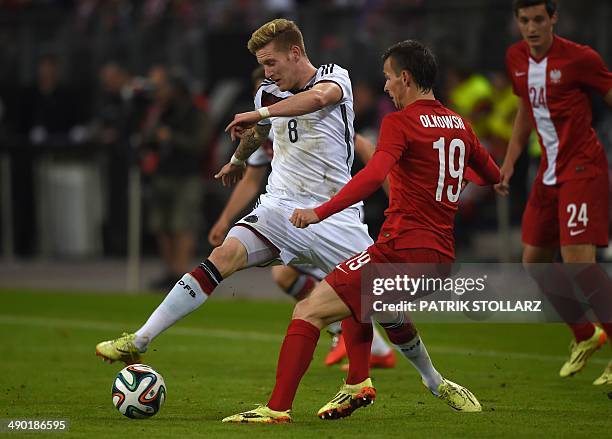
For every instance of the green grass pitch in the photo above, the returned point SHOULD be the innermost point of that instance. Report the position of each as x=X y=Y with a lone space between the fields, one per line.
x=222 y=359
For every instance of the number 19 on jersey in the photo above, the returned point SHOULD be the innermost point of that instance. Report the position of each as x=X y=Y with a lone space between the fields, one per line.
x=455 y=170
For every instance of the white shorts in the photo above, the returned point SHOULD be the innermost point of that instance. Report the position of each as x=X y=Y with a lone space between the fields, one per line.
x=310 y=270
x=323 y=245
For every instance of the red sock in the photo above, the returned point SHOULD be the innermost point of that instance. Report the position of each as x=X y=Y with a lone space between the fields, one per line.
x=597 y=288
x=582 y=331
x=555 y=282
x=293 y=361
x=358 y=342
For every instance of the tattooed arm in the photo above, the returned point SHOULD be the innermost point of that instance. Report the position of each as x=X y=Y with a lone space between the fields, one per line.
x=250 y=139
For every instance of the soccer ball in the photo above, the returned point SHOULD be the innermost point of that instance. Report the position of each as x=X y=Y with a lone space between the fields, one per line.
x=138 y=391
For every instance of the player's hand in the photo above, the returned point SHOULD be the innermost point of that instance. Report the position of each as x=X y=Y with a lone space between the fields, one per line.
x=302 y=218
x=217 y=232
x=241 y=122
x=230 y=174
x=503 y=187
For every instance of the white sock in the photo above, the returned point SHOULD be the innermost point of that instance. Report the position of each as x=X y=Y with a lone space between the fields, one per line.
x=335 y=328
x=380 y=346
x=416 y=352
x=183 y=298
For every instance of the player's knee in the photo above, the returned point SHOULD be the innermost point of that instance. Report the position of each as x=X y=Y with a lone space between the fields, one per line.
x=583 y=253
x=537 y=255
x=300 y=310
x=284 y=276
x=304 y=310
x=228 y=257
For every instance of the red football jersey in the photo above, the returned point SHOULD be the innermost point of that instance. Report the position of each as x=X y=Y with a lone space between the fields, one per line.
x=433 y=147
x=424 y=149
x=556 y=88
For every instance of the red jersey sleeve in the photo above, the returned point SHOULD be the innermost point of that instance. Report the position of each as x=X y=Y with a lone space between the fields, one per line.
x=594 y=73
x=361 y=186
x=510 y=61
x=392 y=138
x=391 y=145
x=482 y=169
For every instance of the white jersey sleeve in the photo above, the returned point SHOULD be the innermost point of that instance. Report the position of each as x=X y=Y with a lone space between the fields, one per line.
x=263 y=155
x=258 y=100
x=336 y=74
x=259 y=158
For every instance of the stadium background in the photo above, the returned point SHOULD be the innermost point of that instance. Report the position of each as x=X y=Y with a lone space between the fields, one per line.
x=74 y=205
x=71 y=196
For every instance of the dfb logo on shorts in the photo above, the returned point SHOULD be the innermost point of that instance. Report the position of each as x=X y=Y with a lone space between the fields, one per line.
x=251 y=219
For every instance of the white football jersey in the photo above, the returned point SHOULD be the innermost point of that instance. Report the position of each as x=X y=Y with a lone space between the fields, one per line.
x=313 y=153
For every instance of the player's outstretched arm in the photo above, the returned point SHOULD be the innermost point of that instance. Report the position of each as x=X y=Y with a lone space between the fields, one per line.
x=482 y=169
x=520 y=136
x=242 y=195
x=250 y=139
x=320 y=96
x=361 y=186
x=364 y=149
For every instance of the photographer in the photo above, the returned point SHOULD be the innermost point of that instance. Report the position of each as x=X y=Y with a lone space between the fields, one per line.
x=173 y=139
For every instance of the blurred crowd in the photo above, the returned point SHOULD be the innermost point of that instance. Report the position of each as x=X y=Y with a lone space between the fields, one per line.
x=153 y=122
x=144 y=85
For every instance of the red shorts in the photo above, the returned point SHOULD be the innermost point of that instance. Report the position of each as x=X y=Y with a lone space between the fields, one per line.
x=346 y=277
x=569 y=213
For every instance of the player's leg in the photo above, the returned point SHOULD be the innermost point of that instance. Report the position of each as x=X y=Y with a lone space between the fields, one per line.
x=320 y=308
x=293 y=282
x=188 y=294
x=346 y=281
x=338 y=238
x=580 y=268
x=357 y=390
x=242 y=248
x=556 y=285
x=193 y=289
x=541 y=234
x=382 y=355
x=583 y=216
x=298 y=283
x=594 y=282
x=405 y=338
x=553 y=282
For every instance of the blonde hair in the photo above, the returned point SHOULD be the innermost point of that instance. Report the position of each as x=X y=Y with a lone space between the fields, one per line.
x=284 y=33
